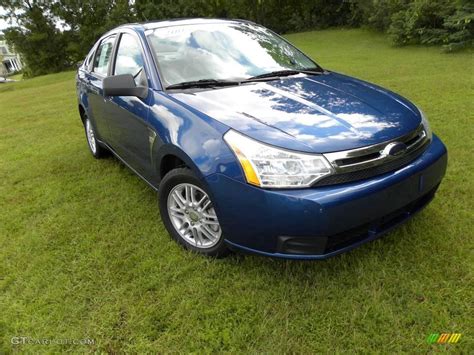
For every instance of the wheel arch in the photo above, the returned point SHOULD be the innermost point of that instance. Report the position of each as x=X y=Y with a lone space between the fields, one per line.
x=83 y=103
x=169 y=157
x=82 y=112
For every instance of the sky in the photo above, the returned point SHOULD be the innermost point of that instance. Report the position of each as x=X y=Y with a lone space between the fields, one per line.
x=3 y=23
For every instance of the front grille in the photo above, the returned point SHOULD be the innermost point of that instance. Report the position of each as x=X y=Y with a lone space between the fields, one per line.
x=366 y=162
x=393 y=165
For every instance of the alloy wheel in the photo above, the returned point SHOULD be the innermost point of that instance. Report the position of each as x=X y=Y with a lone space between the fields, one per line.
x=193 y=216
x=91 y=136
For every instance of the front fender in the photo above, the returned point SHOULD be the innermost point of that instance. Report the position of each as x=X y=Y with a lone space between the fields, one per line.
x=190 y=135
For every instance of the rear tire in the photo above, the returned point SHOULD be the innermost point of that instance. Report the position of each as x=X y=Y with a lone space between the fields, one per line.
x=96 y=149
x=188 y=214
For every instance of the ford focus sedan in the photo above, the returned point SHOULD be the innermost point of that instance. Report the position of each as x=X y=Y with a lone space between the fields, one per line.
x=250 y=144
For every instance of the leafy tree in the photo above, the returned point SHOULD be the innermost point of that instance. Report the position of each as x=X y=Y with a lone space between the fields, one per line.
x=460 y=27
x=36 y=37
x=45 y=48
x=87 y=20
x=440 y=22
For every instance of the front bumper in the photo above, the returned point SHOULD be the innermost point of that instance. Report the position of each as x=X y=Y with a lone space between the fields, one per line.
x=320 y=222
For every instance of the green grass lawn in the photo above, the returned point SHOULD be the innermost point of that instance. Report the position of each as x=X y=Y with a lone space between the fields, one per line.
x=16 y=77
x=84 y=254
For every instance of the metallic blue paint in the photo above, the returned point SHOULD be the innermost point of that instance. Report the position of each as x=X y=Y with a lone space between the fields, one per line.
x=253 y=218
x=322 y=113
x=319 y=114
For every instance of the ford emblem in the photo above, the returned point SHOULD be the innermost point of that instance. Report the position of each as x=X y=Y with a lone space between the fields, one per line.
x=394 y=149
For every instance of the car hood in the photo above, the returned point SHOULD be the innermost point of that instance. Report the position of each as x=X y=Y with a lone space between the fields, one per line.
x=320 y=114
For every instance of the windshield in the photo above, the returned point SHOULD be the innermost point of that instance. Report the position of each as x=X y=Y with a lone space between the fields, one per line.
x=232 y=51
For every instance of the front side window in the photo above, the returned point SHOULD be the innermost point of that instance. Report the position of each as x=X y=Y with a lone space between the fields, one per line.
x=104 y=53
x=129 y=56
x=222 y=52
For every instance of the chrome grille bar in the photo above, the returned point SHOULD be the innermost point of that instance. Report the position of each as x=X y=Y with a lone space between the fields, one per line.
x=374 y=155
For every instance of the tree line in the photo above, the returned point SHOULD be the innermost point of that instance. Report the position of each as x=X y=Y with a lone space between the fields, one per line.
x=53 y=35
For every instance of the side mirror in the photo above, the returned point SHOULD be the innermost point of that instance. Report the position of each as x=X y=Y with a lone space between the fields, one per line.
x=123 y=85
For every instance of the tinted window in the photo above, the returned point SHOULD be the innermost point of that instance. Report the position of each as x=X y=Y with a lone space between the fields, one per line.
x=102 y=58
x=129 y=56
x=88 y=60
x=218 y=51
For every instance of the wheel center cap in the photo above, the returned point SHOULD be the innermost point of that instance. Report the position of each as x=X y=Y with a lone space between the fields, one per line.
x=194 y=216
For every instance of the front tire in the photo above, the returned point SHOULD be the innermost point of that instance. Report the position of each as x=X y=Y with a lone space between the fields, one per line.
x=188 y=214
x=95 y=148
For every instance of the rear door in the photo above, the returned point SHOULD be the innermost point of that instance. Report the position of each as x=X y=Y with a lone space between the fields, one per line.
x=127 y=116
x=100 y=69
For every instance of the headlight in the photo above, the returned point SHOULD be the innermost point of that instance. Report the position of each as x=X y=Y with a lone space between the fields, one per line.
x=267 y=166
x=426 y=125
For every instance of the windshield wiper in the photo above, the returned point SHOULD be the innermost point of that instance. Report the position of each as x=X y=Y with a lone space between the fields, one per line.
x=287 y=72
x=215 y=82
x=202 y=83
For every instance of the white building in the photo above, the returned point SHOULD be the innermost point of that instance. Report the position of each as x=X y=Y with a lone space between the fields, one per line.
x=11 y=61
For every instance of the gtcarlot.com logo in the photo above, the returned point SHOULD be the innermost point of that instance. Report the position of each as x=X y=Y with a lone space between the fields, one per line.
x=444 y=338
x=22 y=340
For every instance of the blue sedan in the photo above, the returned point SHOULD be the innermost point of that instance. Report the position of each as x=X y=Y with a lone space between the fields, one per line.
x=252 y=145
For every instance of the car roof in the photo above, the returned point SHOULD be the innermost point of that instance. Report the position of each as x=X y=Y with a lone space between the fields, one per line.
x=179 y=22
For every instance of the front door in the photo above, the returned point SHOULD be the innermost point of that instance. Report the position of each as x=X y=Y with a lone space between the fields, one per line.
x=127 y=116
x=97 y=103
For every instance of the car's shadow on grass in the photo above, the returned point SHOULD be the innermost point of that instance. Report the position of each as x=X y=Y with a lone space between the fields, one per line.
x=402 y=248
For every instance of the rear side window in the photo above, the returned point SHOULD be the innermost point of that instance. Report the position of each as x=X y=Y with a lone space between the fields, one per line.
x=129 y=56
x=103 y=55
x=89 y=58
